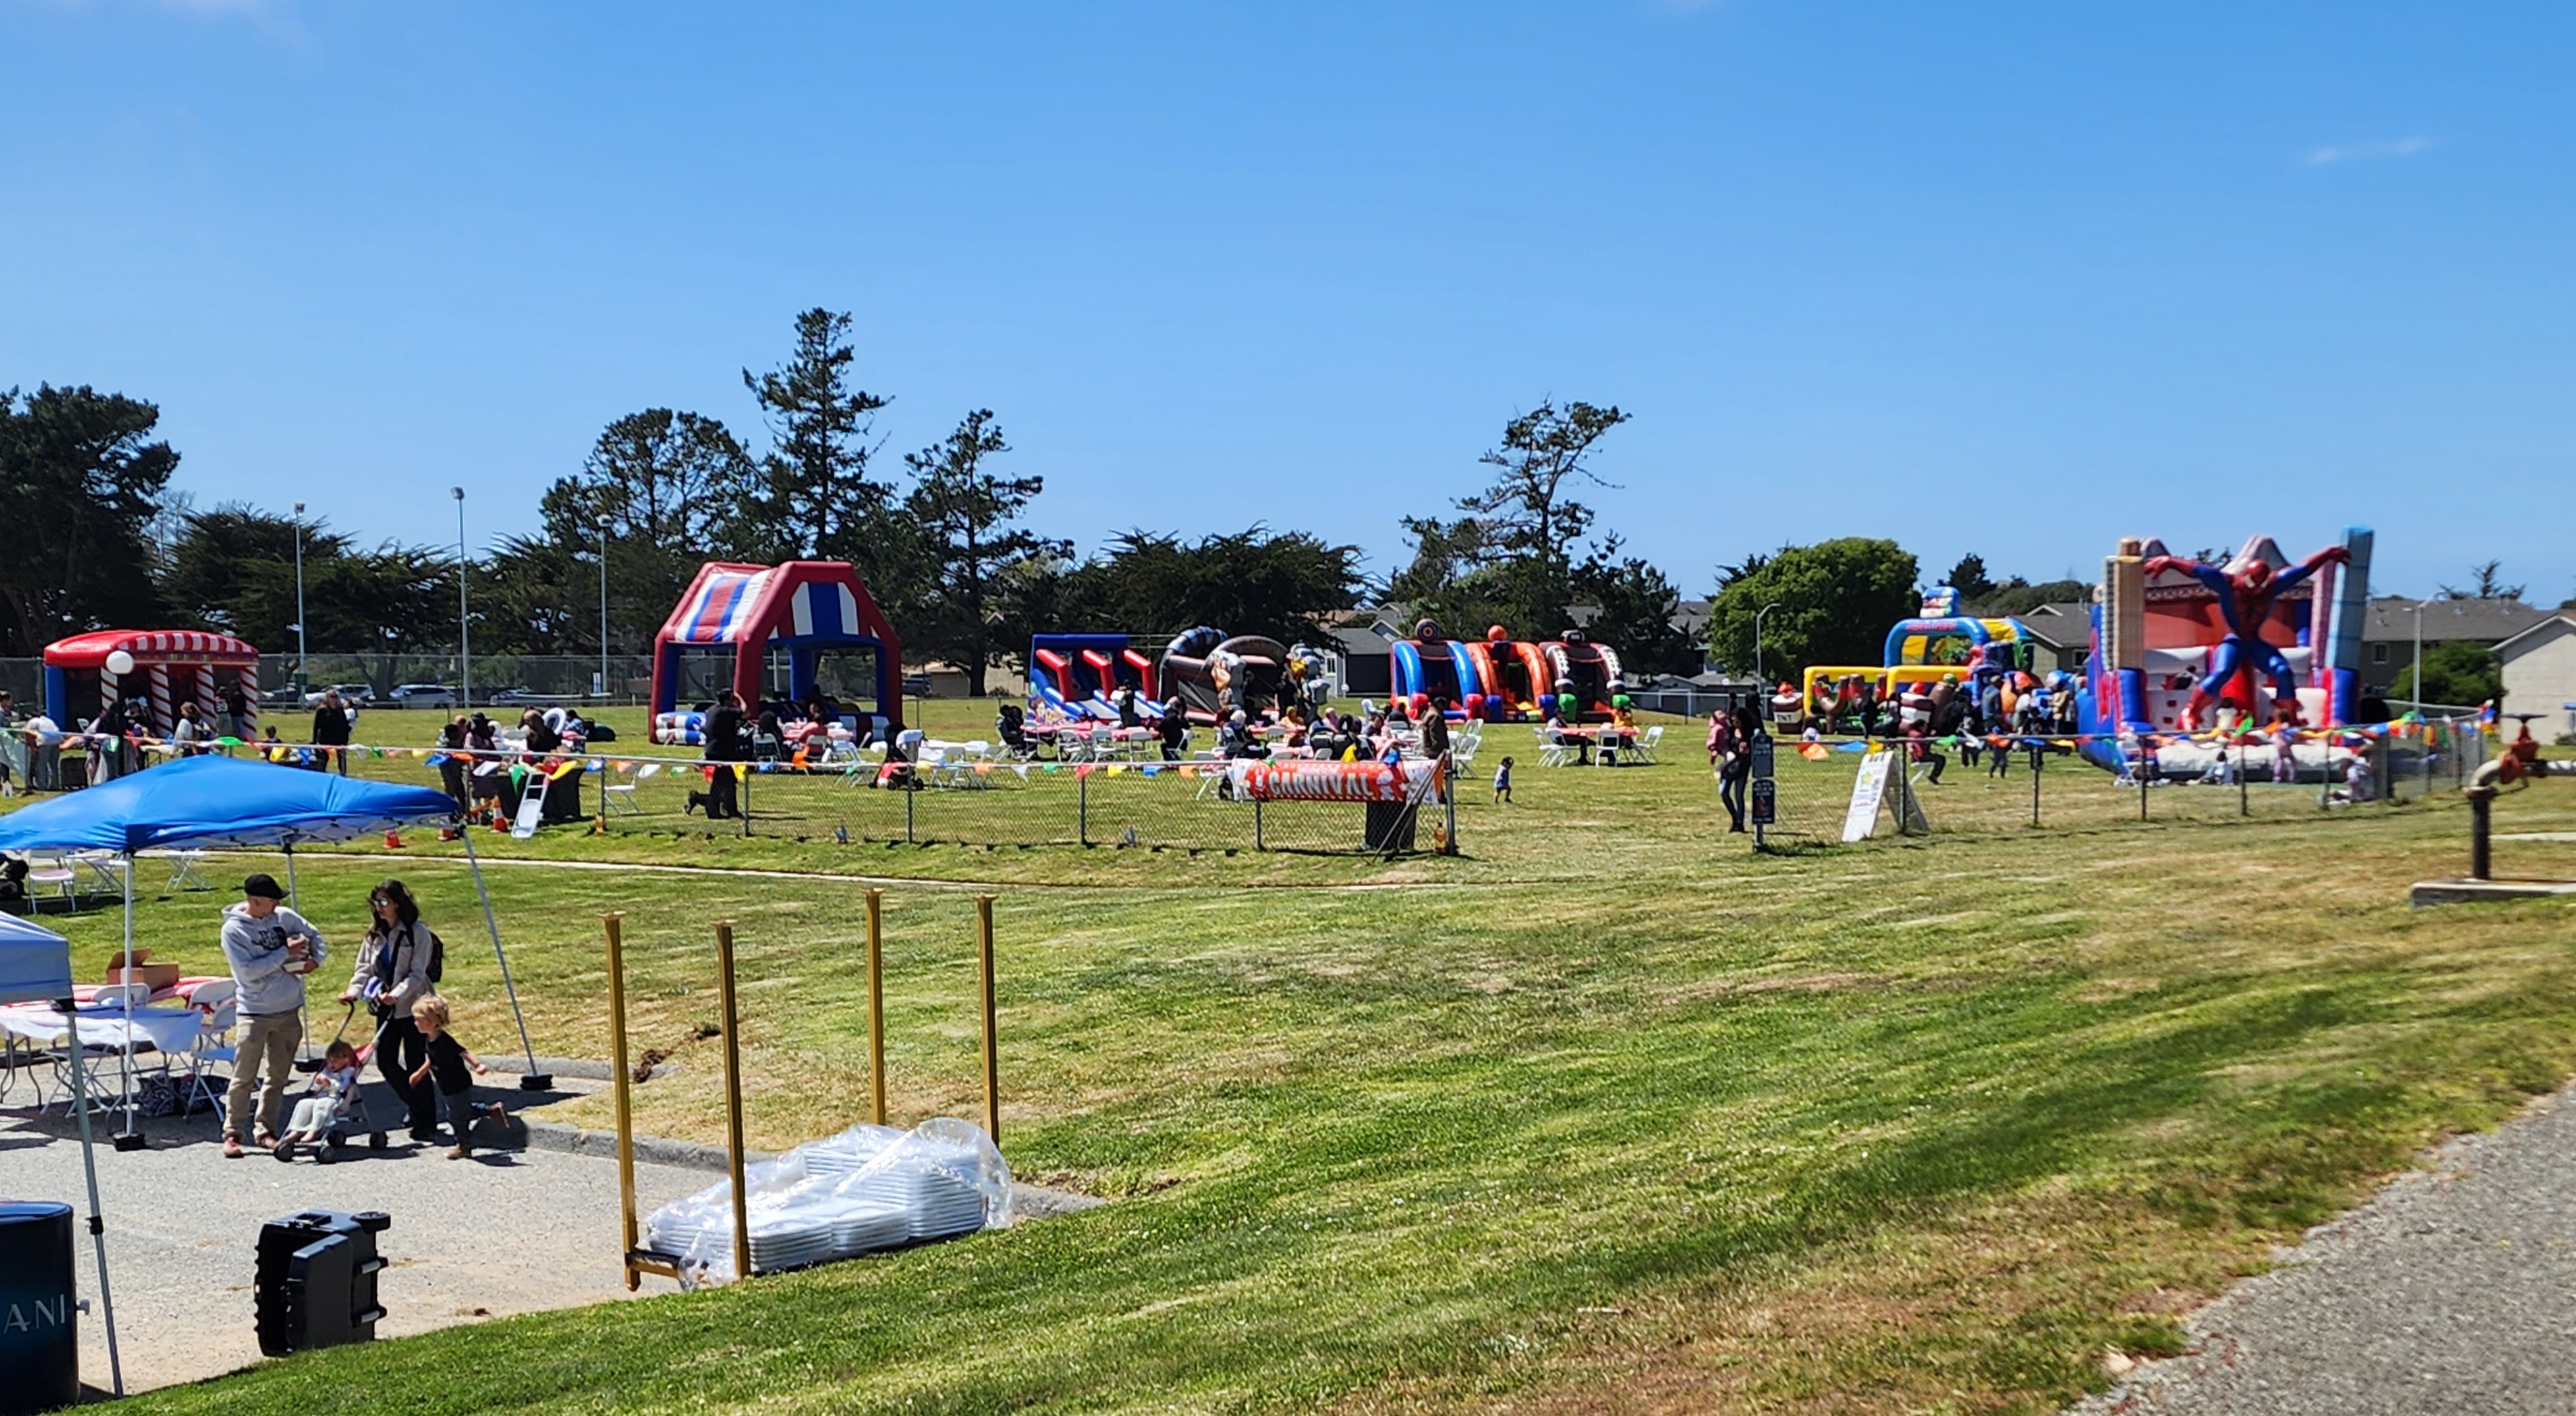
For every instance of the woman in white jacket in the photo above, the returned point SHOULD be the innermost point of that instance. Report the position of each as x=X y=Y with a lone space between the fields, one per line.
x=398 y=964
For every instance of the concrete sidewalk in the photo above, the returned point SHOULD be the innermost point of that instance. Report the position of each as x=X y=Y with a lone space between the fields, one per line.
x=503 y=1232
x=2452 y=1291
x=499 y=1233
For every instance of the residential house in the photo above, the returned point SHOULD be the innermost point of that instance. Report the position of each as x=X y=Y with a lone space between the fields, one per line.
x=2063 y=634
x=2388 y=631
x=2540 y=675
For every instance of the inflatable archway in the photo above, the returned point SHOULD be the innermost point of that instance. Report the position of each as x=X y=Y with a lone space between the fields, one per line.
x=802 y=610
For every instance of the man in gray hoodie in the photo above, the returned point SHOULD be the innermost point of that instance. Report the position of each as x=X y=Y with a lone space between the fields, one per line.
x=270 y=949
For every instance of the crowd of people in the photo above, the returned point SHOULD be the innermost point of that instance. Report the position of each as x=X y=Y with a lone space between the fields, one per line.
x=1289 y=727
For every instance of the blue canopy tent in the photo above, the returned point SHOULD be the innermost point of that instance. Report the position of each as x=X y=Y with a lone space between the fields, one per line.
x=222 y=801
x=36 y=967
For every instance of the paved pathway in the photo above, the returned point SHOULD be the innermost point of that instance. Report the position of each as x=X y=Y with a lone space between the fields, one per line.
x=504 y=1232
x=2453 y=1291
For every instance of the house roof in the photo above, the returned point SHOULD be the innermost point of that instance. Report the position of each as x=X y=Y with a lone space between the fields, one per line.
x=2532 y=638
x=2064 y=624
x=2391 y=619
x=1357 y=639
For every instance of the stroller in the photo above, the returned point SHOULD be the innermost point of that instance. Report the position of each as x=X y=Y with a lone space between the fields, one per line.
x=350 y=1117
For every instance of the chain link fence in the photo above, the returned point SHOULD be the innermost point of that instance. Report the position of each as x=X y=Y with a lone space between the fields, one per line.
x=1154 y=806
x=1968 y=787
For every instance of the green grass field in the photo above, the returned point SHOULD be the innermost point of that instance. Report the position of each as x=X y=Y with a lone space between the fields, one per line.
x=1609 y=1113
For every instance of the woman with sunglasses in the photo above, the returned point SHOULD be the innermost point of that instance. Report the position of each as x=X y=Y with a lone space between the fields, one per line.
x=399 y=963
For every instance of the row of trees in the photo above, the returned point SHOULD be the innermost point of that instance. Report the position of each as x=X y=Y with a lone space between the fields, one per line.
x=944 y=542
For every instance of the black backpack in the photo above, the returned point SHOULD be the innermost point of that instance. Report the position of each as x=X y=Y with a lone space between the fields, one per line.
x=437 y=963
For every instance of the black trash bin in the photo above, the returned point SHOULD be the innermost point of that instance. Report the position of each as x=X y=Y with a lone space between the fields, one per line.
x=39 y=1348
x=316 y=1283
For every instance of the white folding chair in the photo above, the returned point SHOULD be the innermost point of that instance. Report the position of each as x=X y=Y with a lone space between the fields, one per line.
x=107 y=868
x=184 y=873
x=214 y=1045
x=1644 y=748
x=1552 y=751
x=620 y=797
x=51 y=870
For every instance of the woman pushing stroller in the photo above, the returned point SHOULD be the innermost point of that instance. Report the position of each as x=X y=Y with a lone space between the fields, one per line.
x=399 y=963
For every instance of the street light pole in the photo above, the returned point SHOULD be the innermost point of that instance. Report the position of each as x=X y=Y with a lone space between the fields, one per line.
x=603 y=606
x=464 y=636
x=1757 y=641
x=2416 y=689
x=300 y=671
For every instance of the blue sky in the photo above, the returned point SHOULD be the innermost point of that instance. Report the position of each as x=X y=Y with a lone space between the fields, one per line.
x=2016 y=279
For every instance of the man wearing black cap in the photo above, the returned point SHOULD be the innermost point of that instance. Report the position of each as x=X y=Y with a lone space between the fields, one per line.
x=270 y=949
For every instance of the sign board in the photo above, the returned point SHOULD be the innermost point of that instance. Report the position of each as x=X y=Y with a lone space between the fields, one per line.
x=1416 y=780
x=1868 y=789
x=1766 y=802
x=1761 y=749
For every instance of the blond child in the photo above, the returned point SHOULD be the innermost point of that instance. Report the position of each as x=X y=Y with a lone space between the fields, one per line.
x=452 y=1067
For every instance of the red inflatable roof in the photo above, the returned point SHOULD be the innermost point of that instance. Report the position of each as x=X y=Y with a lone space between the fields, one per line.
x=151 y=646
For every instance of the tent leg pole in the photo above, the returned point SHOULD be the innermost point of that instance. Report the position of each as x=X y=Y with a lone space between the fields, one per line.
x=129 y=1138
x=303 y=1020
x=89 y=1164
x=533 y=1080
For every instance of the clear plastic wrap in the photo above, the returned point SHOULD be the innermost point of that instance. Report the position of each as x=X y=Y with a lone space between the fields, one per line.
x=945 y=1174
x=865 y=1189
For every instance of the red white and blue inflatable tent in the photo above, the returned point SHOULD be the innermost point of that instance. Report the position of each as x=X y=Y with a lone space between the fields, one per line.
x=171 y=667
x=803 y=609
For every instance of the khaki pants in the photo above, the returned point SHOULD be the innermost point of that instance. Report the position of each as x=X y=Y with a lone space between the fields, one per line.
x=267 y=1042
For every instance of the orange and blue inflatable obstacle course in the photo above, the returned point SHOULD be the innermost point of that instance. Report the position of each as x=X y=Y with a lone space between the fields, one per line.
x=163 y=669
x=1514 y=674
x=1431 y=665
x=1504 y=680
x=1072 y=676
x=815 y=615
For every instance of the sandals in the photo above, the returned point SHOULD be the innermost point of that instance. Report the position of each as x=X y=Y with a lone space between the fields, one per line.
x=232 y=1148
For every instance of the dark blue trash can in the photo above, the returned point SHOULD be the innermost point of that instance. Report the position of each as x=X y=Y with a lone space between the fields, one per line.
x=39 y=1347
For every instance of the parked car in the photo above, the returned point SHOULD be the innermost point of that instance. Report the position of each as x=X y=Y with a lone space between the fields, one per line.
x=521 y=694
x=357 y=694
x=282 y=696
x=424 y=695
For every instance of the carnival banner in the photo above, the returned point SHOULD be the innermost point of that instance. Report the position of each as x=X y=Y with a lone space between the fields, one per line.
x=1256 y=780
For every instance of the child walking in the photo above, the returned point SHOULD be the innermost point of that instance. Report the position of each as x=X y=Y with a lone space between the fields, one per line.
x=1503 y=782
x=334 y=1088
x=449 y=1064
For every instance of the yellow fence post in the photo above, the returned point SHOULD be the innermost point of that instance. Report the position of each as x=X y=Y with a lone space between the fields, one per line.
x=876 y=1005
x=992 y=1053
x=615 y=924
x=733 y=1103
